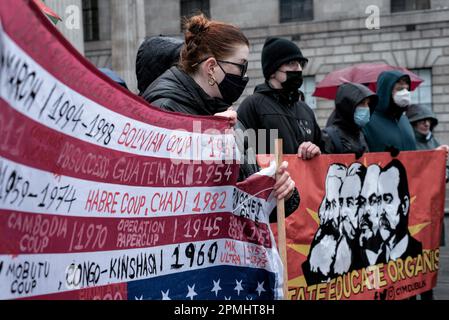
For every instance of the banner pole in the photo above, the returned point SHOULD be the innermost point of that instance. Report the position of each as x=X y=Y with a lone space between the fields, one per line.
x=282 y=242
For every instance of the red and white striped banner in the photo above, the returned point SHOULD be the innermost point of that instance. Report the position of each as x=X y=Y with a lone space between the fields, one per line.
x=105 y=196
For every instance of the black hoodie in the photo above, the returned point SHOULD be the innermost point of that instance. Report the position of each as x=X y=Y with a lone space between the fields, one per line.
x=155 y=56
x=268 y=109
x=349 y=96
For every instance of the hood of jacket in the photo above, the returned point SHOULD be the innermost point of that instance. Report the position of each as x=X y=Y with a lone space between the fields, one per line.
x=178 y=86
x=385 y=85
x=388 y=126
x=349 y=96
x=155 y=55
x=416 y=112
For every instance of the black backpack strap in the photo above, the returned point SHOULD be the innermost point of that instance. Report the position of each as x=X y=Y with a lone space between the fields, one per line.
x=335 y=138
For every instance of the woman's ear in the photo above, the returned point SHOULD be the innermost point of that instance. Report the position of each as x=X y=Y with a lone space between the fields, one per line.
x=210 y=65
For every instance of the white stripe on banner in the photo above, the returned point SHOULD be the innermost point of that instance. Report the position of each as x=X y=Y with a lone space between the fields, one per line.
x=27 y=189
x=39 y=274
x=34 y=92
x=31 y=190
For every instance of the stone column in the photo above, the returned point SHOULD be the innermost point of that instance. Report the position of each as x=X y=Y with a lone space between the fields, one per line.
x=71 y=26
x=127 y=32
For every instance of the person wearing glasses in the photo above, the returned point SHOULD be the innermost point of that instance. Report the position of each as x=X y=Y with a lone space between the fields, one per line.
x=209 y=78
x=211 y=73
x=278 y=104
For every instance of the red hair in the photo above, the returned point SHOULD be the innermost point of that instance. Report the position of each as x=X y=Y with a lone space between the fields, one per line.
x=207 y=38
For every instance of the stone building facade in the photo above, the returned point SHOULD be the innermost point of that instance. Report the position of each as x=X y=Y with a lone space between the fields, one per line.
x=333 y=34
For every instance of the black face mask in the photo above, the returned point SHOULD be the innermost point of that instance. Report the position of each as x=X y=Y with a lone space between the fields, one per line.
x=232 y=86
x=293 y=82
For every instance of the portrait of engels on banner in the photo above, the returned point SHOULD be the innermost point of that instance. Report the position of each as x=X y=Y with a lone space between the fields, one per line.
x=363 y=221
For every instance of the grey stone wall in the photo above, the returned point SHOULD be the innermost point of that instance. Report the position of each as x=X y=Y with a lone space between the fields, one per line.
x=99 y=53
x=69 y=11
x=162 y=17
x=335 y=10
x=104 y=19
x=439 y=4
x=250 y=13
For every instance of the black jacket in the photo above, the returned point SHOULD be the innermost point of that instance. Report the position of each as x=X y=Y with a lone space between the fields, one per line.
x=268 y=109
x=342 y=135
x=176 y=91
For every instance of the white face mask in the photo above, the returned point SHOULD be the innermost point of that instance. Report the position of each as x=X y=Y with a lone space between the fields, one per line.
x=402 y=98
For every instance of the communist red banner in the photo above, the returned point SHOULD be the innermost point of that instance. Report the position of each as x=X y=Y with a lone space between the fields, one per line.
x=367 y=228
